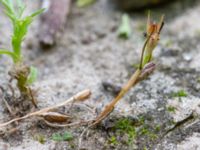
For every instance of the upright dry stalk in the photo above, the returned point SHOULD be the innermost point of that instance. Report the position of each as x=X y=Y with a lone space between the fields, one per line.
x=146 y=66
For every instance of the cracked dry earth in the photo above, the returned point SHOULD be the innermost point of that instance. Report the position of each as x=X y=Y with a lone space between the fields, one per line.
x=90 y=52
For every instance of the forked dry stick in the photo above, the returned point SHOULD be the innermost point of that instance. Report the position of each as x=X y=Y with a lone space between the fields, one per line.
x=146 y=66
x=81 y=96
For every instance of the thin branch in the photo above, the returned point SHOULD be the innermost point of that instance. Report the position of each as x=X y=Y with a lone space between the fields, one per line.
x=54 y=125
x=108 y=108
x=76 y=98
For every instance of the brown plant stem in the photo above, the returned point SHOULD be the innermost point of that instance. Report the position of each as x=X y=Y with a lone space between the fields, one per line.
x=81 y=96
x=108 y=108
x=135 y=78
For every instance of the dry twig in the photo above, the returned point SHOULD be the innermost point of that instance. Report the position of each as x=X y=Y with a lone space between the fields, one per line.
x=81 y=96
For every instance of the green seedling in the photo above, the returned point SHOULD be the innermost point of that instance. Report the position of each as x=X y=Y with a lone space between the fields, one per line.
x=145 y=68
x=84 y=3
x=180 y=93
x=124 y=30
x=25 y=75
x=66 y=136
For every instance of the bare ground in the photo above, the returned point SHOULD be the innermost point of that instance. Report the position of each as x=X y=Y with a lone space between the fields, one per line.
x=90 y=52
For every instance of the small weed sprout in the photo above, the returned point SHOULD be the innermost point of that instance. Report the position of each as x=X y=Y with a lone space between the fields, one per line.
x=145 y=68
x=66 y=136
x=113 y=140
x=180 y=93
x=25 y=75
x=126 y=126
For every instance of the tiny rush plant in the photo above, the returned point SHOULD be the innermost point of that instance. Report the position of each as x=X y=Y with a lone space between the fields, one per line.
x=25 y=75
x=145 y=68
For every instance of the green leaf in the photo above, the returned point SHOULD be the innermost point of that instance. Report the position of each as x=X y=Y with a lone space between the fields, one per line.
x=8 y=5
x=147 y=59
x=38 y=12
x=20 y=8
x=57 y=137
x=84 y=3
x=6 y=52
x=32 y=76
x=9 y=9
x=66 y=136
x=124 y=30
x=20 y=24
x=180 y=93
x=10 y=15
x=20 y=31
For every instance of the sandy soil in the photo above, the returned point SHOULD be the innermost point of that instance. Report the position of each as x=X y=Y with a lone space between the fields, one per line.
x=90 y=52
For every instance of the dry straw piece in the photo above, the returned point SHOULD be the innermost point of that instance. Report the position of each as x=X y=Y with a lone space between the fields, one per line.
x=47 y=112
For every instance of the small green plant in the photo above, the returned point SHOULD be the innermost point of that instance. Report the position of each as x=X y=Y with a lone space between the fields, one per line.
x=180 y=93
x=25 y=75
x=171 y=109
x=66 y=136
x=113 y=140
x=126 y=126
x=124 y=30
